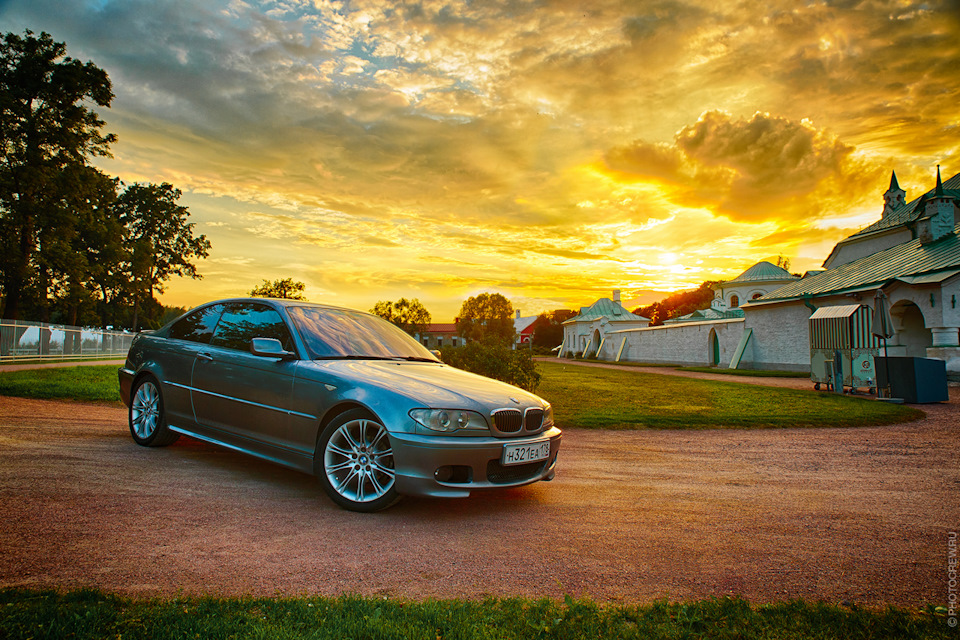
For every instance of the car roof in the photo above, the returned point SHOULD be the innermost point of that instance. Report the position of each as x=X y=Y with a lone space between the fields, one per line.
x=279 y=302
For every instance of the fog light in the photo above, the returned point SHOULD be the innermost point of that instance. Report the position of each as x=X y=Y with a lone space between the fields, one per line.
x=454 y=474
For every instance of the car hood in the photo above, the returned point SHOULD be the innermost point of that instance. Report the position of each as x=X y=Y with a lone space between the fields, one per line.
x=431 y=385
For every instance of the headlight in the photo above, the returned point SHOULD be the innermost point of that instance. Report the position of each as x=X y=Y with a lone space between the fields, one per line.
x=448 y=420
x=547 y=417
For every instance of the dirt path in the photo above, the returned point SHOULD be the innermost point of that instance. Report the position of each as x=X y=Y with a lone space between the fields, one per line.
x=833 y=514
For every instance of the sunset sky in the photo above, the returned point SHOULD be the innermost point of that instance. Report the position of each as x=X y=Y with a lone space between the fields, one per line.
x=549 y=151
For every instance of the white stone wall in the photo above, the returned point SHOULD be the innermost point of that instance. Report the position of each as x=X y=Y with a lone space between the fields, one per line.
x=687 y=343
x=781 y=337
x=577 y=335
x=747 y=291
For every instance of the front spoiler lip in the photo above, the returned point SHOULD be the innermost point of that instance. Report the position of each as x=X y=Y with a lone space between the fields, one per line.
x=418 y=457
x=125 y=376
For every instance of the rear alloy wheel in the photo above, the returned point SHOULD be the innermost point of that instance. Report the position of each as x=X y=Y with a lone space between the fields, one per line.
x=148 y=425
x=355 y=463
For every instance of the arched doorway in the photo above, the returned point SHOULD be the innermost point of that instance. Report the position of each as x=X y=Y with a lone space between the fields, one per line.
x=595 y=344
x=912 y=332
x=713 y=342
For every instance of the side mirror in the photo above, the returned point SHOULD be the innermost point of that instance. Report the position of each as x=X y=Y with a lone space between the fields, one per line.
x=436 y=353
x=270 y=348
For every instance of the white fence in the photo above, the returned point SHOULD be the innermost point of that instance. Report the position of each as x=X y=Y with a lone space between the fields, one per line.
x=20 y=340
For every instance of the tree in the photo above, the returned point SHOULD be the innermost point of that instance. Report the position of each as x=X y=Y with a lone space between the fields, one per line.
x=548 y=328
x=409 y=315
x=488 y=315
x=161 y=240
x=495 y=359
x=87 y=242
x=283 y=289
x=679 y=304
x=46 y=129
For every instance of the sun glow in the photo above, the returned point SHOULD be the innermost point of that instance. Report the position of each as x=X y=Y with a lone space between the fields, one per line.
x=546 y=151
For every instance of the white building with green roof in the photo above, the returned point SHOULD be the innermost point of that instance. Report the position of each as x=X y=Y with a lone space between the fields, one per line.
x=912 y=253
x=755 y=282
x=586 y=333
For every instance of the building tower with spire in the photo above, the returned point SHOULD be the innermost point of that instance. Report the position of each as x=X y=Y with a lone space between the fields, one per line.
x=938 y=215
x=894 y=198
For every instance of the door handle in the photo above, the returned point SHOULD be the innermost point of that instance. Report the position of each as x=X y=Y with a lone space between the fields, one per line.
x=206 y=357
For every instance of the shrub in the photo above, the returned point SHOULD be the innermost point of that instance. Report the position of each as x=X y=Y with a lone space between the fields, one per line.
x=495 y=359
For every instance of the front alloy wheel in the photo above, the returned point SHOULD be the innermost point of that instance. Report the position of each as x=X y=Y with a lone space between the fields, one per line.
x=356 y=459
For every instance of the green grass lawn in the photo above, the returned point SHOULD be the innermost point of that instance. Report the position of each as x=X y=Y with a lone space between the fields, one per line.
x=87 y=384
x=596 y=398
x=93 y=614
x=755 y=373
x=582 y=397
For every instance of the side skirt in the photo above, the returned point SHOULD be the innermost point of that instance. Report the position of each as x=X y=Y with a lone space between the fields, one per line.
x=276 y=455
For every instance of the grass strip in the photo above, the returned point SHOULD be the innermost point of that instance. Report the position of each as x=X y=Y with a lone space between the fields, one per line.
x=753 y=373
x=87 y=384
x=598 y=398
x=582 y=397
x=64 y=361
x=93 y=614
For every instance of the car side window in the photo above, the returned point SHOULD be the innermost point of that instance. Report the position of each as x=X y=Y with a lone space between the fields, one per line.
x=197 y=326
x=242 y=322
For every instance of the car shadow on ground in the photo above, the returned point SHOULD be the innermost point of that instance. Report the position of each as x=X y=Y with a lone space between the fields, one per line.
x=231 y=470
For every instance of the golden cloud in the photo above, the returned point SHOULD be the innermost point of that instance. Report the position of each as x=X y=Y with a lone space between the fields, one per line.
x=762 y=168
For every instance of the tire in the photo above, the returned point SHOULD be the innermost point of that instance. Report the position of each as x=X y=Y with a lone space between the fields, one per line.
x=354 y=462
x=148 y=423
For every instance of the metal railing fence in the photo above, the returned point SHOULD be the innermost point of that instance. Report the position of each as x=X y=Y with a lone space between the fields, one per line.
x=21 y=340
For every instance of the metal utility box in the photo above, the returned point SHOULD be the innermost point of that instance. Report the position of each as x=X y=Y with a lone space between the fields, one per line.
x=916 y=380
x=840 y=338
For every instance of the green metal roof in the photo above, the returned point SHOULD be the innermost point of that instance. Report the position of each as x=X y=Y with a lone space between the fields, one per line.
x=763 y=272
x=913 y=210
x=703 y=315
x=902 y=261
x=605 y=307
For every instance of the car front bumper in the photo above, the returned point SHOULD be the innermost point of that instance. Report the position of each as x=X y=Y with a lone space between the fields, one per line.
x=452 y=467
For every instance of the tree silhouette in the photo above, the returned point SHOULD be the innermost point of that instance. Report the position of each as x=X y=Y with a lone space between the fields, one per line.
x=46 y=131
x=286 y=288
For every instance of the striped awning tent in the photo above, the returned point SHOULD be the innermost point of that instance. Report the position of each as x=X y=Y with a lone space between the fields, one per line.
x=842 y=327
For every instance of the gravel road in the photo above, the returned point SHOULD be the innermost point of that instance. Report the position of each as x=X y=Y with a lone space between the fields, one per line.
x=856 y=515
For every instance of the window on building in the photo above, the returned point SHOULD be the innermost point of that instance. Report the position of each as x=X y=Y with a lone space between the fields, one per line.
x=439 y=341
x=734 y=301
x=453 y=341
x=756 y=295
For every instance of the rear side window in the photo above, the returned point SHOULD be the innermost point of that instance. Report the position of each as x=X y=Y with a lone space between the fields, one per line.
x=242 y=322
x=197 y=326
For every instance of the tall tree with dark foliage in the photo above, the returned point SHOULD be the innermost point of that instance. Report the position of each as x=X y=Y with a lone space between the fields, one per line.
x=48 y=130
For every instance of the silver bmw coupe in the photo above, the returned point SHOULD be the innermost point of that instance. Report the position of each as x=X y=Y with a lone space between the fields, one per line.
x=338 y=393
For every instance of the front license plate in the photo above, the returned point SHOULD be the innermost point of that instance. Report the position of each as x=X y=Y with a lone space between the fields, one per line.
x=522 y=453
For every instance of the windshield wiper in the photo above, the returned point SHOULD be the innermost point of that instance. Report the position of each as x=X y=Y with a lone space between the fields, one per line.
x=388 y=358
x=353 y=357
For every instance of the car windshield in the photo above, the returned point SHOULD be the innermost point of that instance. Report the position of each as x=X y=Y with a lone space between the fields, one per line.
x=343 y=333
